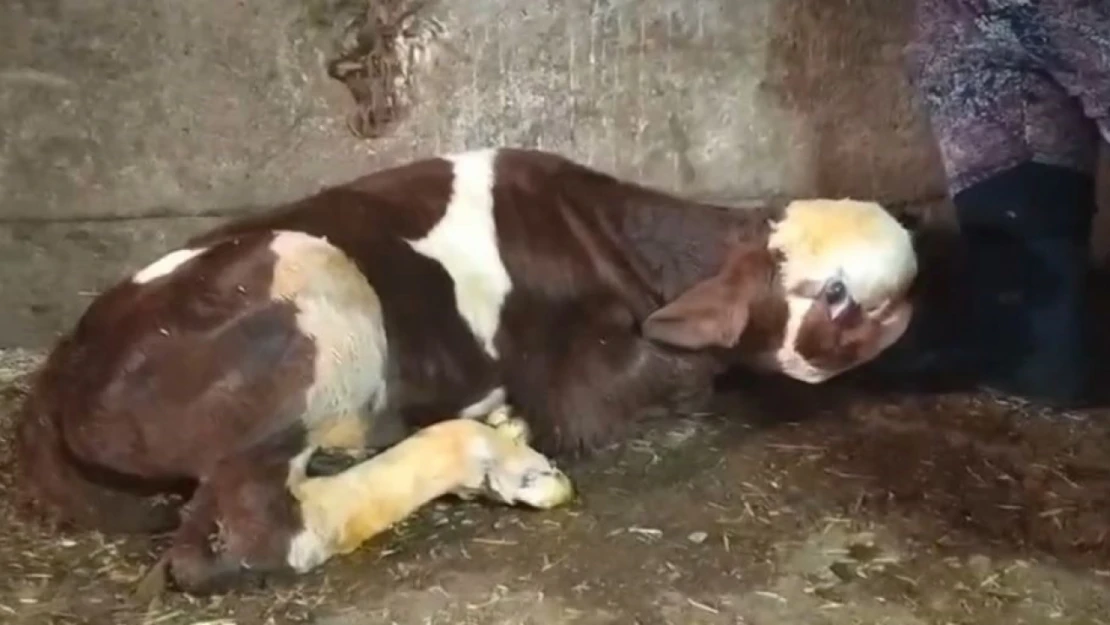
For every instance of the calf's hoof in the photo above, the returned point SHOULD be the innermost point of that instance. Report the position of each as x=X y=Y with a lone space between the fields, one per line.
x=204 y=575
x=519 y=474
x=551 y=492
x=513 y=428
x=153 y=583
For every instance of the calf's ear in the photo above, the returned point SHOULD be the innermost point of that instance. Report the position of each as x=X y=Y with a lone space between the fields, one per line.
x=712 y=313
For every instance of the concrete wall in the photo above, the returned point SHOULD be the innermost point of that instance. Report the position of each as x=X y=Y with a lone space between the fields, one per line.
x=127 y=121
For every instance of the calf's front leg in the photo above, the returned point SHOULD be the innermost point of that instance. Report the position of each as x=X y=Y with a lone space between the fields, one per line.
x=261 y=514
x=460 y=456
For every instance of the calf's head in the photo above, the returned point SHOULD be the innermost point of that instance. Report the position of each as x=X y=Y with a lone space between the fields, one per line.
x=823 y=288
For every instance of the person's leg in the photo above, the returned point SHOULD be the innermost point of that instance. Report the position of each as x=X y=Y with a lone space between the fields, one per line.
x=1068 y=40
x=1018 y=153
x=1027 y=230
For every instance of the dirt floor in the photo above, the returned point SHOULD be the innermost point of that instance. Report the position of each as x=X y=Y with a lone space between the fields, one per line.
x=788 y=505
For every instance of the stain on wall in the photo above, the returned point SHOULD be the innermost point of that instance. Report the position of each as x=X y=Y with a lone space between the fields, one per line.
x=837 y=66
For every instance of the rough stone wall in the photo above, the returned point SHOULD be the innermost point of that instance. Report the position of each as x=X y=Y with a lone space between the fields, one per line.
x=130 y=124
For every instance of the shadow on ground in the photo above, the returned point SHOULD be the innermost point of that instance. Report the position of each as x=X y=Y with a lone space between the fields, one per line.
x=788 y=505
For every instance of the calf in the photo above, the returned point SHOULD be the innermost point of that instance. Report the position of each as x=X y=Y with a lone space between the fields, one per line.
x=441 y=289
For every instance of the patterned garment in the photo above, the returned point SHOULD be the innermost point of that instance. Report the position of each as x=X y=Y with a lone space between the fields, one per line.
x=1010 y=81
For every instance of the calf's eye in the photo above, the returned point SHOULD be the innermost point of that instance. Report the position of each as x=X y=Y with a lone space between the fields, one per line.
x=836 y=293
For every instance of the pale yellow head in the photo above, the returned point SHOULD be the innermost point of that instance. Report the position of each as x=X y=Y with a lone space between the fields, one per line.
x=846 y=268
x=858 y=242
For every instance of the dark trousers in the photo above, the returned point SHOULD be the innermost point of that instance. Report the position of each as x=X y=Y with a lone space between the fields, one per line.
x=1017 y=93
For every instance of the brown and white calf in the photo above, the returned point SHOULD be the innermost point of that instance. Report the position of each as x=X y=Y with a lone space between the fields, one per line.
x=443 y=289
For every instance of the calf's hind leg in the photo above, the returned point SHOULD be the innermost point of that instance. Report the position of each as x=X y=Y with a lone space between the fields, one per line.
x=237 y=527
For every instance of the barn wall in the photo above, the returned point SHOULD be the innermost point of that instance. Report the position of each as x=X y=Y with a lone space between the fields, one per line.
x=127 y=121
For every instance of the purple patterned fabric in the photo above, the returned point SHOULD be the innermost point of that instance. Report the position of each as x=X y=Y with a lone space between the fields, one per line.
x=1009 y=81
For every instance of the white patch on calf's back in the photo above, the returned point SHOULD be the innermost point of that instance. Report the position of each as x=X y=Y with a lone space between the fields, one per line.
x=464 y=242
x=339 y=309
x=166 y=265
